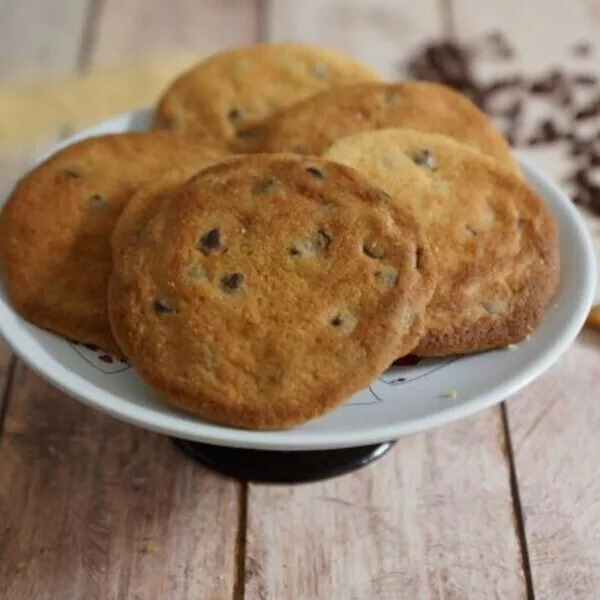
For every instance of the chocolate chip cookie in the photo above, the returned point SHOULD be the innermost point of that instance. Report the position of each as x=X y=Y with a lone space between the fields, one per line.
x=55 y=228
x=311 y=126
x=231 y=92
x=494 y=240
x=268 y=289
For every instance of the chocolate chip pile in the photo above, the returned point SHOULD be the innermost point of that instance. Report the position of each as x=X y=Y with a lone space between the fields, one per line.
x=572 y=97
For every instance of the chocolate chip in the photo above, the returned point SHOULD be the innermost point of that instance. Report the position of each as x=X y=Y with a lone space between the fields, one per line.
x=419 y=258
x=585 y=79
x=251 y=134
x=504 y=83
x=594 y=199
x=210 y=241
x=232 y=282
x=547 y=84
x=548 y=131
x=73 y=172
x=373 y=249
x=343 y=321
x=499 y=44
x=316 y=173
x=513 y=111
x=316 y=244
x=234 y=115
x=582 y=49
x=323 y=239
x=424 y=158
x=97 y=201
x=264 y=186
x=162 y=306
x=592 y=109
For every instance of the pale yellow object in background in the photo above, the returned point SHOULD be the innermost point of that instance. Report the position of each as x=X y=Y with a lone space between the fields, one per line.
x=31 y=110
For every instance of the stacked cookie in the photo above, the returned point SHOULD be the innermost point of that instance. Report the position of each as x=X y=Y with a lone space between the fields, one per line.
x=299 y=226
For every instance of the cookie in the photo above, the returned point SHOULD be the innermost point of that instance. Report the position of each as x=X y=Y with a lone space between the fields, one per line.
x=229 y=93
x=494 y=240
x=311 y=126
x=145 y=201
x=55 y=228
x=268 y=289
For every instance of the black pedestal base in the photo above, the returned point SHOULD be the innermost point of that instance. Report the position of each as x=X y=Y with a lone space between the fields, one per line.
x=282 y=467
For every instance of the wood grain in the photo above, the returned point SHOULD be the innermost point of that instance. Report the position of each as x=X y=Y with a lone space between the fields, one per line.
x=93 y=508
x=432 y=519
x=554 y=426
x=39 y=36
x=554 y=423
x=138 y=28
x=90 y=507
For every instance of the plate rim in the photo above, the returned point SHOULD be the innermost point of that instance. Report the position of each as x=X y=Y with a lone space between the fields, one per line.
x=80 y=388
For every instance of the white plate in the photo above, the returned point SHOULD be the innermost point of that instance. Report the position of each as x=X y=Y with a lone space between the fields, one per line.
x=404 y=400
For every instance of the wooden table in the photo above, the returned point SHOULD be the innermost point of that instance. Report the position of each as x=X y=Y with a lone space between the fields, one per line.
x=502 y=505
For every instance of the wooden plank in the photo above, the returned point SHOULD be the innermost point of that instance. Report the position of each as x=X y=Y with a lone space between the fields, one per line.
x=430 y=520
x=138 y=28
x=434 y=518
x=39 y=36
x=554 y=423
x=377 y=32
x=93 y=508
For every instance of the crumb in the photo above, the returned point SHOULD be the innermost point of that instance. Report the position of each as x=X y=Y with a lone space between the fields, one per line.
x=555 y=305
x=150 y=548
x=527 y=337
x=452 y=395
x=511 y=347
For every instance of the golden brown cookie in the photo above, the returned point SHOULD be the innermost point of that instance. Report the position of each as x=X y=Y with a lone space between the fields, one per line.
x=146 y=199
x=311 y=126
x=229 y=93
x=55 y=228
x=495 y=241
x=268 y=289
